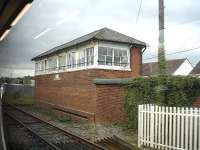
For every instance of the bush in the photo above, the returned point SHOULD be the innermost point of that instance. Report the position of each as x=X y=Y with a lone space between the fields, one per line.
x=161 y=90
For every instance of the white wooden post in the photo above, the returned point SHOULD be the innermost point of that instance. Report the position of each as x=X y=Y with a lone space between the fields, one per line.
x=163 y=126
x=182 y=127
x=152 y=126
x=178 y=128
x=166 y=125
x=145 y=125
x=199 y=127
x=156 y=125
x=174 y=126
x=191 y=128
x=195 y=128
x=186 y=128
x=148 y=126
x=159 y=127
x=170 y=127
x=139 y=128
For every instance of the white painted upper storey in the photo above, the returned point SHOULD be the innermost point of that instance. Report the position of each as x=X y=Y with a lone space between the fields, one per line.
x=92 y=55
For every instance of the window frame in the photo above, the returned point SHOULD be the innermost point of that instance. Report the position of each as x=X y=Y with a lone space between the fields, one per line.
x=112 y=65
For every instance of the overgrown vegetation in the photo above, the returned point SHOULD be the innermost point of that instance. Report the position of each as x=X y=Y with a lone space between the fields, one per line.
x=161 y=90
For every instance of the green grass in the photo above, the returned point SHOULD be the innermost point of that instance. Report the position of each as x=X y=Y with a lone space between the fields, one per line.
x=25 y=100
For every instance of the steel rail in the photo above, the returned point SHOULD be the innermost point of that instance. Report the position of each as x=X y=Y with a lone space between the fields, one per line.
x=78 y=138
x=33 y=132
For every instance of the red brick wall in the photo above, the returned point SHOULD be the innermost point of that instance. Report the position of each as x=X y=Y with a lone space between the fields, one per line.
x=136 y=62
x=109 y=103
x=75 y=90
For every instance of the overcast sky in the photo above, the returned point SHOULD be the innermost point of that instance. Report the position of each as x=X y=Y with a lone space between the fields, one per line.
x=50 y=23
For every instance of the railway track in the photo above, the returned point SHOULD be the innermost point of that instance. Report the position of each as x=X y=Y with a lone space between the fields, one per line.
x=26 y=131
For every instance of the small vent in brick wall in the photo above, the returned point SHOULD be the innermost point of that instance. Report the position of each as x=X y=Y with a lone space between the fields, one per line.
x=56 y=77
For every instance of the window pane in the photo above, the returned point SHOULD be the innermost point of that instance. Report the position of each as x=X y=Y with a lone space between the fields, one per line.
x=52 y=63
x=102 y=60
x=68 y=60
x=81 y=58
x=124 y=53
x=104 y=51
x=110 y=52
x=116 y=53
x=62 y=61
x=45 y=65
x=90 y=56
x=73 y=59
x=117 y=61
x=100 y=51
x=109 y=60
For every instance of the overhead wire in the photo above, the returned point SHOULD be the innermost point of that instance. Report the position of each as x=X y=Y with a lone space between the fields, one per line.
x=177 y=52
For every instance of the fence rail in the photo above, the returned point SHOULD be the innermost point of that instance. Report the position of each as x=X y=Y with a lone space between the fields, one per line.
x=174 y=128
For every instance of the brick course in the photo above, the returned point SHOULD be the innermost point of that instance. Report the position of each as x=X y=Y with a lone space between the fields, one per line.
x=76 y=91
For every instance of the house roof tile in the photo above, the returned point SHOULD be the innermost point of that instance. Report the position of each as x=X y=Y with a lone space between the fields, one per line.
x=196 y=69
x=105 y=34
x=151 y=68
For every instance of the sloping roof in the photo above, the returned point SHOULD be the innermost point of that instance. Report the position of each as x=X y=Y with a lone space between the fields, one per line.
x=152 y=67
x=105 y=34
x=196 y=69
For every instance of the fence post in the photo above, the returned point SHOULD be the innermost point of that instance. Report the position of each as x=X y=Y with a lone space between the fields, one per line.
x=139 y=129
x=195 y=128
x=182 y=127
x=166 y=125
x=178 y=128
x=191 y=128
x=186 y=128
x=145 y=124
x=199 y=127
x=156 y=125
x=159 y=126
x=152 y=126
x=174 y=127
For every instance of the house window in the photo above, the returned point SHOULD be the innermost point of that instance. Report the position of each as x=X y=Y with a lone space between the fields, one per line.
x=81 y=58
x=52 y=63
x=62 y=62
x=90 y=56
x=42 y=66
x=120 y=57
x=36 y=67
x=45 y=64
x=71 y=59
x=112 y=57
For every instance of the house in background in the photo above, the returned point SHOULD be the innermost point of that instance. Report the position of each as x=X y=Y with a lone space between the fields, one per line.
x=196 y=70
x=174 y=67
x=64 y=75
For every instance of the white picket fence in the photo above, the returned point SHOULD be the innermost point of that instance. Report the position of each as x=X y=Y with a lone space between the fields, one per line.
x=169 y=128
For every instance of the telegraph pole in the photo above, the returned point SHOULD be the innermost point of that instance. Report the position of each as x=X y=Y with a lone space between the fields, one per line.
x=161 y=48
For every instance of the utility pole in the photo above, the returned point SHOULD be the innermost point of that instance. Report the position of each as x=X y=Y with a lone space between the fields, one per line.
x=161 y=48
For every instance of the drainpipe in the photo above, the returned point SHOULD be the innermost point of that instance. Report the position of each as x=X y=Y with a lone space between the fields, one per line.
x=141 y=68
